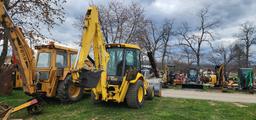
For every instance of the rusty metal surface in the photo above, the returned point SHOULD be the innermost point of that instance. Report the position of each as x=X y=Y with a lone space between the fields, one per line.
x=6 y=82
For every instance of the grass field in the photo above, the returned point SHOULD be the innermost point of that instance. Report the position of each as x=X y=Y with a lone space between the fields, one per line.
x=159 y=108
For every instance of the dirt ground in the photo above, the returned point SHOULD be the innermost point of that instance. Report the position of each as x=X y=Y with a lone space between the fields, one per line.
x=215 y=96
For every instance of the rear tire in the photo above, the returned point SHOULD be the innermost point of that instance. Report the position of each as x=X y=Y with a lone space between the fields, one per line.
x=135 y=95
x=150 y=93
x=68 y=92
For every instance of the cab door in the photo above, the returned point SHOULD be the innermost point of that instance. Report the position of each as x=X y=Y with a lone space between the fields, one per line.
x=132 y=63
x=61 y=64
x=46 y=70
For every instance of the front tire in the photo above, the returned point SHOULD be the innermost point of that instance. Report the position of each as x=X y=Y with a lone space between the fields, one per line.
x=135 y=95
x=67 y=91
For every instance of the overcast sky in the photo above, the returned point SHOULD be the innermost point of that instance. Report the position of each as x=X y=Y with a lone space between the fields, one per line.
x=231 y=13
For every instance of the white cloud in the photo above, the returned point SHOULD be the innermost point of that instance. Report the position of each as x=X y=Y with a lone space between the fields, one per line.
x=67 y=33
x=231 y=13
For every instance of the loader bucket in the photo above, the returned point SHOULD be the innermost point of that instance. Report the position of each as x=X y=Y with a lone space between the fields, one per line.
x=6 y=82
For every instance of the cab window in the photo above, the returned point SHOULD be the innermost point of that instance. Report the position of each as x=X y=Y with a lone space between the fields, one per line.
x=132 y=59
x=73 y=58
x=43 y=60
x=61 y=59
x=115 y=63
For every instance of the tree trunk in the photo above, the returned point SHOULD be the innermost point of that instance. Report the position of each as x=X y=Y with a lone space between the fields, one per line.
x=198 y=61
x=5 y=48
x=162 y=61
x=247 y=57
x=4 y=36
x=153 y=63
x=163 y=56
x=239 y=59
x=225 y=66
x=188 y=60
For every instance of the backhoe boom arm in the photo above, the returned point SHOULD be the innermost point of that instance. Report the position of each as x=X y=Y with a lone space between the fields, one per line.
x=21 y=49
x=92 y=37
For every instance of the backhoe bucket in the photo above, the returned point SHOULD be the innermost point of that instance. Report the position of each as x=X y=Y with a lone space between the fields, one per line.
x=89 y=79
x=6 y=82
x=5 y=111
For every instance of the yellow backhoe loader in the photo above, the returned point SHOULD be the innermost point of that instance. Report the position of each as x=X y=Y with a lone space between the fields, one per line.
x=117 y=76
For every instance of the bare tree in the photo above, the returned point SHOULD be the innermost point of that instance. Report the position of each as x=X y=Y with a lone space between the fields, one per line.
x=31 y=15
x=151 y=36
x=167 y=33
x=121 y=22
x=150 y=39
x=188 y=54
x=223 y=55
x=239 y=53
x=193 y=39
x=247 y=36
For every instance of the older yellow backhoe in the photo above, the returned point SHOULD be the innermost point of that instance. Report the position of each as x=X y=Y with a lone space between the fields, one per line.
x=47 y=76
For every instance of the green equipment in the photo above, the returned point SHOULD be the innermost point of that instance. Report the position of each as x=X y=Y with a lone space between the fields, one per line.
x=246 y=78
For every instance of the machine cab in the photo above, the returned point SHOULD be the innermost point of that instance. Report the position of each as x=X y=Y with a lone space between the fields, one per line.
x=54 y=58
x=124 y=59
